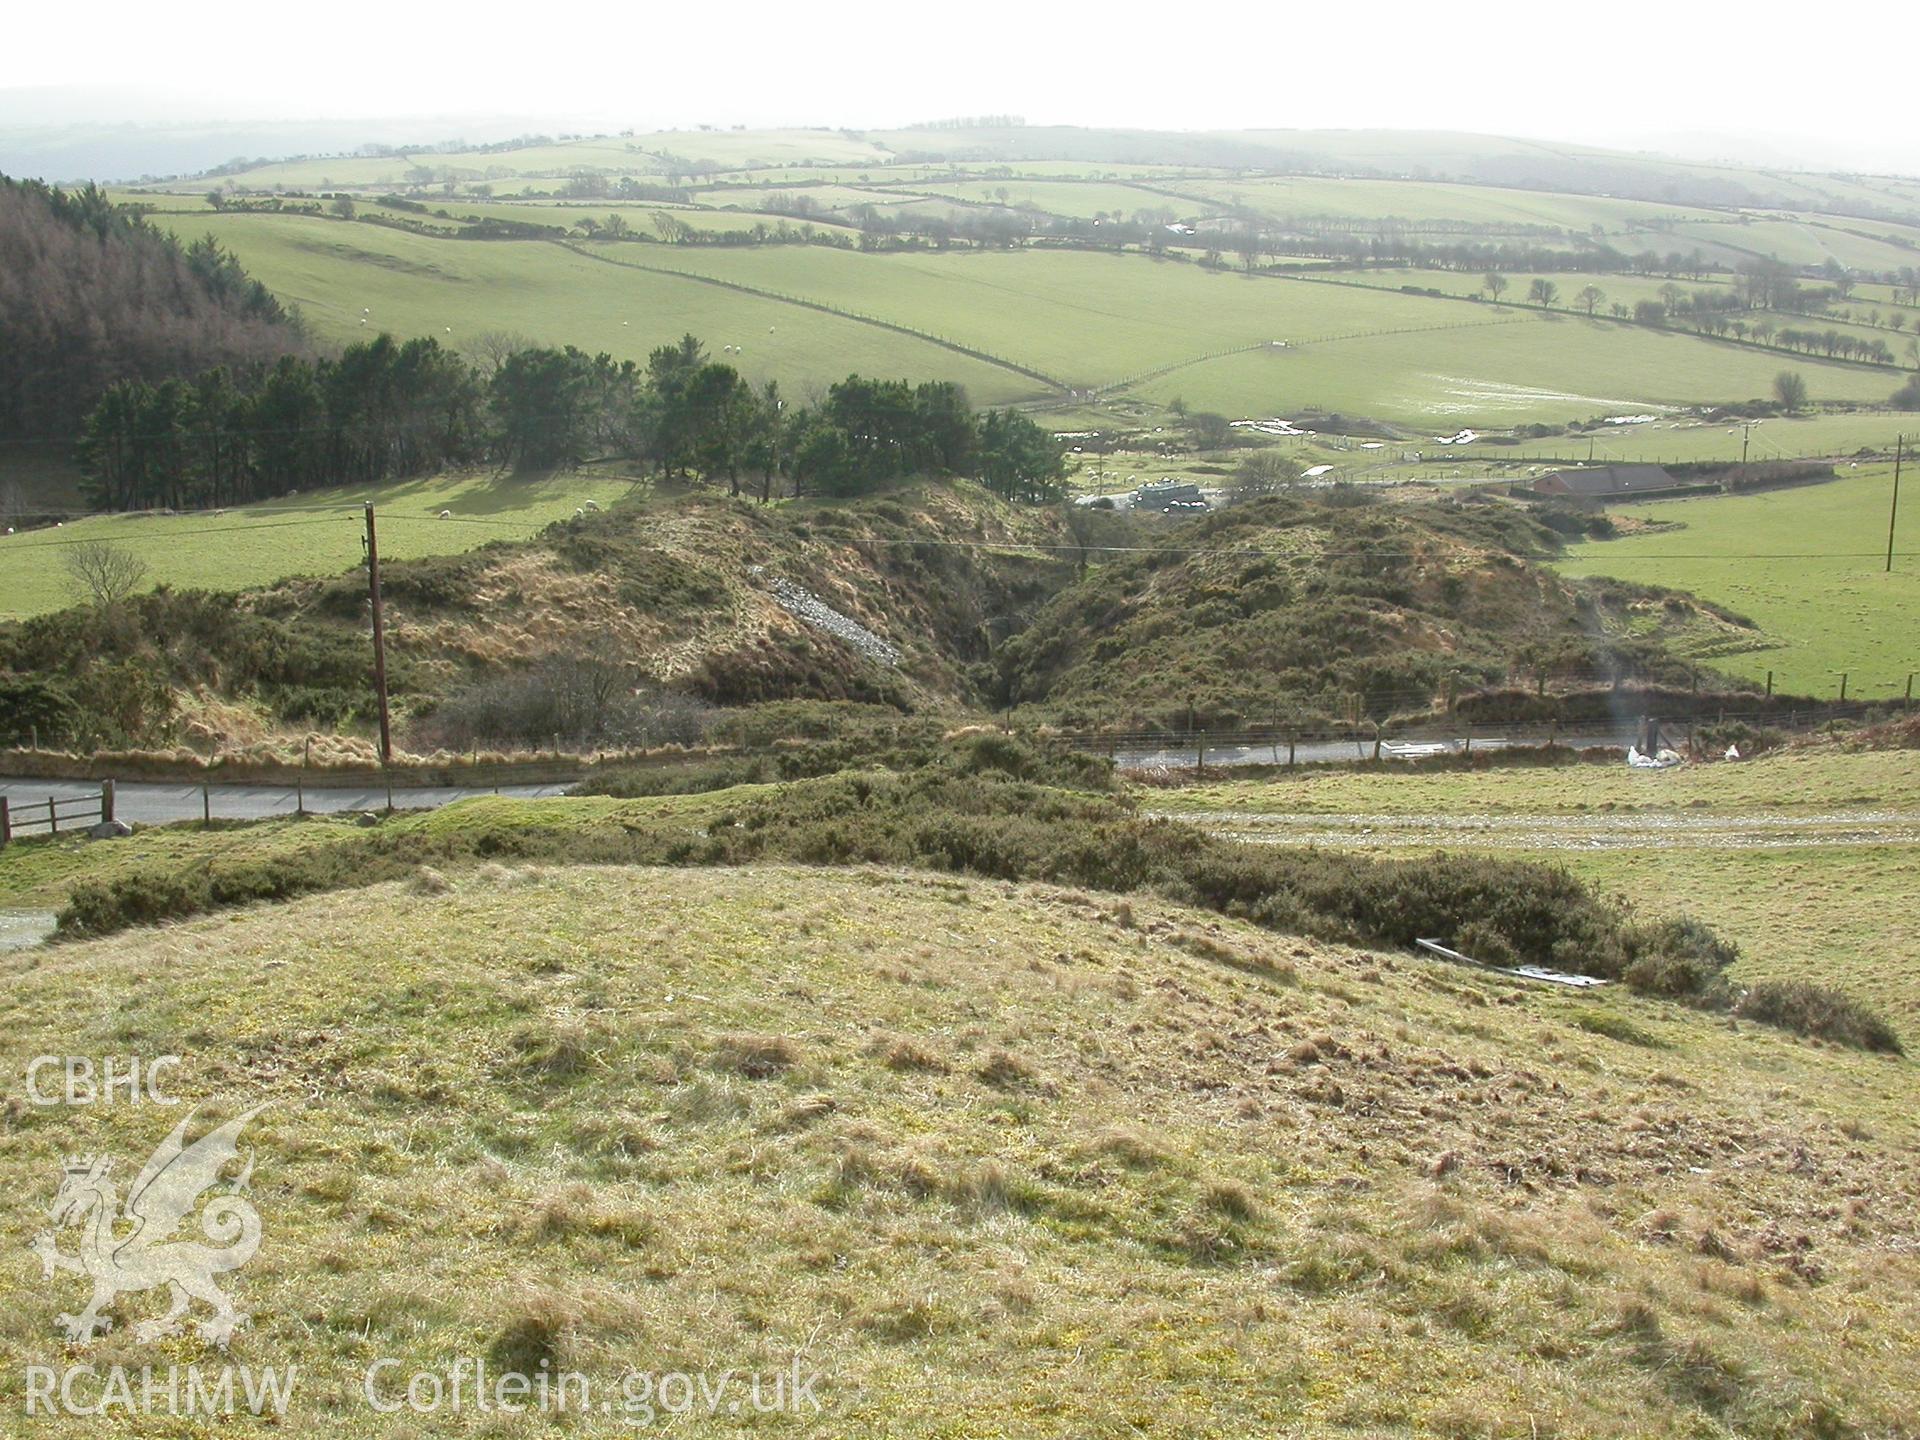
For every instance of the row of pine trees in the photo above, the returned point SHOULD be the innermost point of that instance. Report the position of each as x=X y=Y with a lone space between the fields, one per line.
x=386 y=409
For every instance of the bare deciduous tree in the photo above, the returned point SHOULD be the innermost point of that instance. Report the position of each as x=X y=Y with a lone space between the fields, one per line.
x=103 y=574
x=491 y=349
x=1265 y=472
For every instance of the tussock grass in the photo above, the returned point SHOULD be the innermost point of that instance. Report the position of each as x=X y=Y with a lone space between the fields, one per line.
x=580 y=1183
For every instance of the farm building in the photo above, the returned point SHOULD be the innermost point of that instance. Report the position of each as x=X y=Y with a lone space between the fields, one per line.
x=1163 y=494
x=1607 y=482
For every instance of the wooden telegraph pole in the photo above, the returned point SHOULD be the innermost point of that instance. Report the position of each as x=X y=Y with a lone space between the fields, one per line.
x=1893 y=510
x=379 y=639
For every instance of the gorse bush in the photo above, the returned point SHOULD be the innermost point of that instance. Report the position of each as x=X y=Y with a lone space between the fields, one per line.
x=969 y=814
x=1678 y=957
x=1819 y=1011
x=573 y=700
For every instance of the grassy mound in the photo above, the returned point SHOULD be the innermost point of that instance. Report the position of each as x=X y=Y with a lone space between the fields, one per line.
x=988 y=806
x=1290 y=610
x=1028 y=1160
x=1286 y=610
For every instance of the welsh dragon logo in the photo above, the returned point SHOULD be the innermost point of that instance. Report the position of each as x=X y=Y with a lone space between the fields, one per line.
x=149 y=1255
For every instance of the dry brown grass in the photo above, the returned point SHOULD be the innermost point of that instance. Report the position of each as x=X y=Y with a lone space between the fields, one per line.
x=500 y=1136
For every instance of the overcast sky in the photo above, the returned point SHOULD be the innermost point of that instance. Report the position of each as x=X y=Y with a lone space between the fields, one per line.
x=1629 y=73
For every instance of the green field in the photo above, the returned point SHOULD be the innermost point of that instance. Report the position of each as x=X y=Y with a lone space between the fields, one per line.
x=1816 y=913
x=984 y=1150
x=457 y=289
x=1424 y=203
x=1125 y=326
x=318 y=533
x=1087 y=320
x=1503 y=367
x=1759 y=555
x=1670 y=437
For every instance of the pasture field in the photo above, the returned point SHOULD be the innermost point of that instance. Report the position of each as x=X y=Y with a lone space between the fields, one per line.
x=951 y=1141
x=1082 y=200
x=1124 y=326
x=1816 y=913
x=1629 y=289
x=1421 y=203
x=1625 y=289
x=1798 y=241
x=317 y=533
x=630 y=155
x=1820 y=914
x=1669 y=438
x=1448 y=366
x=1103 y=321
x=1797 y=780
x=1762 y=556
x=456 y=289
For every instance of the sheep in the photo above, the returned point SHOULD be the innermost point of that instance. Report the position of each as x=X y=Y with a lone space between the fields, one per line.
x=446 y=514
x=578 y=512
x=593 y=505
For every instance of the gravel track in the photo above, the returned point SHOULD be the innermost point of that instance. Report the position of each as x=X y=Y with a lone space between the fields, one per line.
x=1638 y=830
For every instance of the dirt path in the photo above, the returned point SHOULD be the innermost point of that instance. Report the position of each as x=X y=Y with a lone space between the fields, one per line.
x=1637 y=831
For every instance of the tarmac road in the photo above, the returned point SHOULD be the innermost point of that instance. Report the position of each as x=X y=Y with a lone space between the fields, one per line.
x=143 y=802
x=146 y=802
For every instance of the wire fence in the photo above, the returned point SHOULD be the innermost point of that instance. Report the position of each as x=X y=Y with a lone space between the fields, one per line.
x=1363 y=739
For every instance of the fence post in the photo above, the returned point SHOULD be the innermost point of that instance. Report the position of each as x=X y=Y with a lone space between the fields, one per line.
x=1292 y=739
x=1769 y=684
x=1200 y=754
x=6 y=821
x=106 y=802
x=206 y=805
x=53 y=817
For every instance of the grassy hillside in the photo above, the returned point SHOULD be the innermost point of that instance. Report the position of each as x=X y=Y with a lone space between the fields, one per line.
x=1757 y=554
x=315 y=534
x=458 y=289
x=1810 y=906
x=682 y=591
x=1049 y=1161
x=1036 y=312
x=1083 y=320
x=1286 y=611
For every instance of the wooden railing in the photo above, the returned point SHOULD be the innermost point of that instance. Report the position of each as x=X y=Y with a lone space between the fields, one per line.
x=50 y=814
